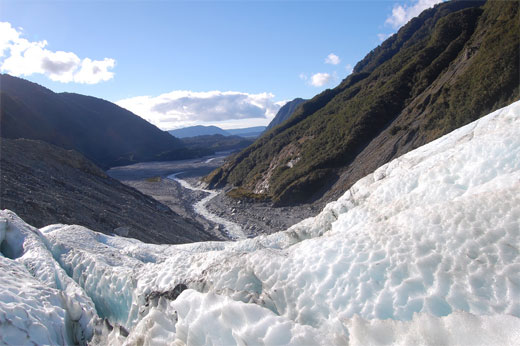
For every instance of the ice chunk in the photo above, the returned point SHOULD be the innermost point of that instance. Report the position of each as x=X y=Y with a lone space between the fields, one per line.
x=210 y=319
x=29 y=269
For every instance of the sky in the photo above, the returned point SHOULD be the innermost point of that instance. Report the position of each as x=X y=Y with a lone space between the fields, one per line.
x=232 y=64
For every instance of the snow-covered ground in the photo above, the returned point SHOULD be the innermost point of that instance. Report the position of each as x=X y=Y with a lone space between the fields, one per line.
x=424 y=251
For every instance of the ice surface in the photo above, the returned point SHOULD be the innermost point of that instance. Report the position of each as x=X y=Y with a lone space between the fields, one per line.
x=39 y=302
x=3 y=228
x=458 y=328
x=426 y=251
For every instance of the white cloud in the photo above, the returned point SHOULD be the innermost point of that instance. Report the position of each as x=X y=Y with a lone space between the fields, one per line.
x=21 y=57
x=303 y=76
x=95 y=71
x=182 y=108
x=320 y=79
x=401 y=14
x=349 y=68
x=332 y=59
x=280 y=104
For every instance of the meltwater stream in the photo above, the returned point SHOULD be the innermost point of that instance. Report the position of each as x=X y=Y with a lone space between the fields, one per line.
x=234 y=230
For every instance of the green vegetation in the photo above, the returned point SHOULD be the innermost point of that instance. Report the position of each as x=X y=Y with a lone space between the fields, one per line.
x=209 y=144
x=243 y=194
x=444 y=69
x=153 y=179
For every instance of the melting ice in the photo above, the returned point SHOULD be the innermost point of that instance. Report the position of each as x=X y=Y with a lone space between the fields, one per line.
x=423 y=251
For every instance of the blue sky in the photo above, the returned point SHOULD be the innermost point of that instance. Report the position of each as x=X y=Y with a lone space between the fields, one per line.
x=179 y=63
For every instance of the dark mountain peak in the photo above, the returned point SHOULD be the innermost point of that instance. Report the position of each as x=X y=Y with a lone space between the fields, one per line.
x=416 y=29
x=104 y=132
x=20 y=85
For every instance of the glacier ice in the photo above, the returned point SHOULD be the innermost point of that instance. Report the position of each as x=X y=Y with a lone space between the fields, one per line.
x=425 y=250
x=39 y=302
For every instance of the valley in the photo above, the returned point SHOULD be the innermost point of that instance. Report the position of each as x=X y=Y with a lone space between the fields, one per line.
x=249 y=199
x=254 y=218
x=230 y=230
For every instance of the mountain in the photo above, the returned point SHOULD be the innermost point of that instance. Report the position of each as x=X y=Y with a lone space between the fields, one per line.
x=445 y=68
x=285 y=112
x=102 y=131
x=248 y=132
x=424 y=251
x=216 y=143
x=46 y=184
x=200 y=130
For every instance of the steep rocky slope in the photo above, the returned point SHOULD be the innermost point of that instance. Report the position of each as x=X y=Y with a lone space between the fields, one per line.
x=285 y=113
x=46 y=184
x=445 y=68
x=102 y=131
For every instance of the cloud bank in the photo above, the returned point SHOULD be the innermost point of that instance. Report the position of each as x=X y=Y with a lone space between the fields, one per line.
x=332 y=59
x=21 y=57
x=183 y=108
x=401 y=14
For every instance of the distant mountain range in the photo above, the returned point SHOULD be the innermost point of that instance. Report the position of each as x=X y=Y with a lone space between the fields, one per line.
x=47 y=185
x=249 y=132
x=200 y=130
x=215 y=143
x=102 y=131
x=443 y=69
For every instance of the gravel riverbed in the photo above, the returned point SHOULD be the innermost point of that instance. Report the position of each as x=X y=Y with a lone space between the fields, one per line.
x=254 y=218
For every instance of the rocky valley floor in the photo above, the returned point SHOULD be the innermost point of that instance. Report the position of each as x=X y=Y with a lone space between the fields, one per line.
x=45 y=184
x=151 y=178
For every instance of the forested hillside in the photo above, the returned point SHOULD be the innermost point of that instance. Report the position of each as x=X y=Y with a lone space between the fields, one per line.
x=445 y=68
